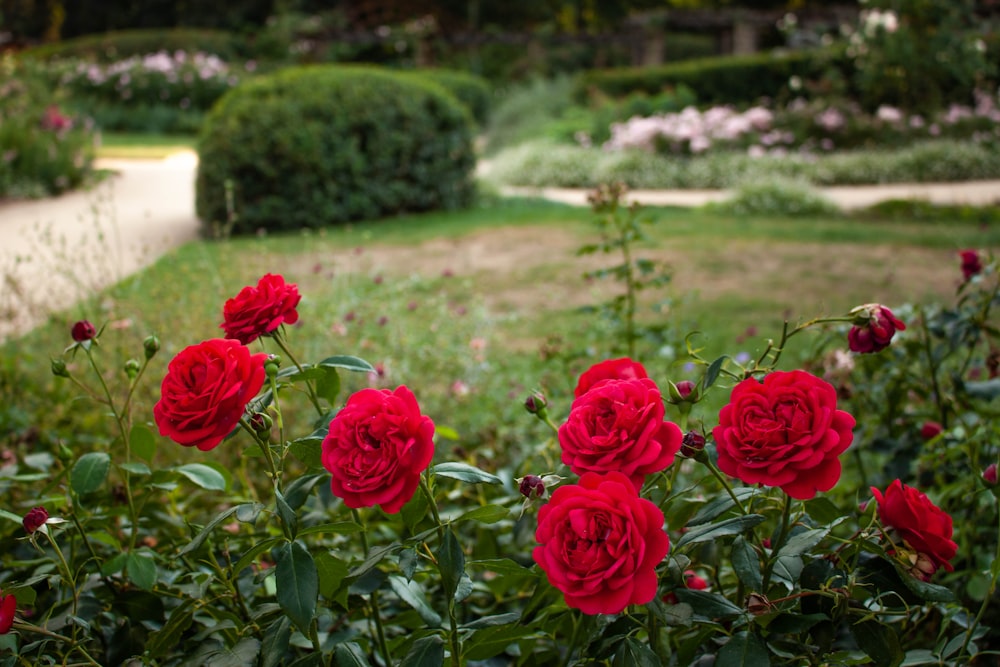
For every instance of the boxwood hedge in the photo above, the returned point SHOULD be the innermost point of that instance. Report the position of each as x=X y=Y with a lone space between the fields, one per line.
x=312 y=146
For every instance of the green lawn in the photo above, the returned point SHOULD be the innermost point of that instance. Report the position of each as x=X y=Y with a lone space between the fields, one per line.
x=142 y=146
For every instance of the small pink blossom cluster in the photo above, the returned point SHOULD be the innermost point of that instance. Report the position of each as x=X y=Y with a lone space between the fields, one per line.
x=690 y=130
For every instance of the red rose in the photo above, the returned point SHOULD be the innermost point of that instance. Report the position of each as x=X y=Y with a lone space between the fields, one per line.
x=83 y=330
x=258 y=311
x=378 y=445
x=784 y=432
x=35 y=519
x=612 y=369
x=599 y=543
x=874 y=327
x=971 y=264
x=618 y=426
x=206 y=390
x=922 y=526
x=8 y=607
x=930 y=430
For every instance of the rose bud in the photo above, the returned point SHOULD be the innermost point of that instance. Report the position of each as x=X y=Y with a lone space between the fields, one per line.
x=874 y=327
x=971 y=264
x=132 y=368
x=35 y=519
x=692 y=443
x=531 y=487
x=930 y=430
x=59 y=368
x=758 y=604
x=693 y=581
x=990 y=475
x=83 y=330
x=261 y=422
x=536 y=403
x=151 y=346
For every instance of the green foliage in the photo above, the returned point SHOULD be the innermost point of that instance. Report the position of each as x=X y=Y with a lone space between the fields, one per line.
x=44 y=150
x=120 y=44
x=776 y=197
x=314 y=146
x=720 y=80
x=473 y=91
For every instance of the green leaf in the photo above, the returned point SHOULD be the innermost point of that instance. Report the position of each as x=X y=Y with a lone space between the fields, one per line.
x=744 y=650
x=493 y=621
x=168 y=637
x=89 y=472
x=347 y=362
x=503 y=566
x=719 y=506
x=822 y=510
x=244 y=654
x=924 y=589
x=142 y=442
x=328 y=386
x=464 y=473
x=489 y=642
x=250 y=555
x=349 y=655
x=746 y=563
x=632 y=653
x=297 y=584
x=289 y=520
x=802 y=542
x=275 y=644
x=141 y=570
x=375 y=556
x=708 y=605
x=425 y=652
x=137 y=468
x=486 y=514
x=200 y=538
x=712 y=374
x=713 y=531
x=308 y=450
x=451 y=563
x=202 y=475
x=335 y=528
x=298 y=491
x=332 y=571
x=412 y=594
x=879 y=642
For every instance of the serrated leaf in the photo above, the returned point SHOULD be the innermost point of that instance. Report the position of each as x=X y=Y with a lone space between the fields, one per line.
x=486 y=514
x=297 y=584
x=412 y=594
x=289 y=520
x=332 y=571
x=713 y=371
x=275 y=645
x=802 y=542
x=879 y=642
x=719 y=506
x=250 y=555
x=744 y=650
x=202 y=475
x=200 y=538
x=243 y=654
x=464 y=473
x=924 y=589
x=89 y=472
x=632 y=653
x=822 y=510
x=308 y=450
x=328 y=385
x=708 y=605
x=451 y=563
x=425 y=652
x=349 y=655
x=503 y=566
x=746 y=563
x=142 y=442
x=713 y=531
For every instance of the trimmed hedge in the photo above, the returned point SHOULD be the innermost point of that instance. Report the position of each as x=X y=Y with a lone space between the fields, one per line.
x=471 y=90
x=719 y=80
x=120 y=44
x=312 y=146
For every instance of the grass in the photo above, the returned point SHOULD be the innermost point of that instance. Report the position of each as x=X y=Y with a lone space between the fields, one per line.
x=127 y=145
x=474 y=309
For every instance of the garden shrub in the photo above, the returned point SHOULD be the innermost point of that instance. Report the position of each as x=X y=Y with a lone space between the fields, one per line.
x=312 y=146
x=776 y=197
x=116 y=45
x=43 y=149
x=471 y=90
x=720 y=80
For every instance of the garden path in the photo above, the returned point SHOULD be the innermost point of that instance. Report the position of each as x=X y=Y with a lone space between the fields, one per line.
x=53 y=252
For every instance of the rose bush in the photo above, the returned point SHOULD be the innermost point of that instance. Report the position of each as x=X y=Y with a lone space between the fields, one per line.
x=599 y=543
x=786 y=432
x=206 y=390
x=377 y=448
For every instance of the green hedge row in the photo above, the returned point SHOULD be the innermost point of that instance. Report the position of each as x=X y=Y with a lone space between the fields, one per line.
x=120 y=44
x=718 y=80
x=312 y=146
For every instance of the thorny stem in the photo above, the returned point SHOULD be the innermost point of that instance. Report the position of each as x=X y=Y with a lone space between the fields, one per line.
x=373 y=598
x=265 y=447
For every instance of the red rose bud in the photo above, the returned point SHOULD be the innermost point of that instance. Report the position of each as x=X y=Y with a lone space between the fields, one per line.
x=971 y=264
x=990 y=475
x=83 y=330
x=531 y=487
x=692 y=443
x=684 y=388
x=874 y=327
x=261 y=422
x=693 y=581
x=930 y=430
x=35 y=519
x=536 y=403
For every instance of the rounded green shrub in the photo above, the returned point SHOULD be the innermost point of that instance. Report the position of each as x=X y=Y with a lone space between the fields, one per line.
x=471 y=90
x=312 y=146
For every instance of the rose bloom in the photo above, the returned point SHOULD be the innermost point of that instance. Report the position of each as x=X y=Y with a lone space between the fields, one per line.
x=785 y=431
x=377 y=447
x=876 y=325
x=258 y=311
x=922 y=526
x=83 y=330
x=8 y=607
x=206 y=390
x=612 y=369
x=618 y=426
x=599 y=543
x=971 y=264
x=35 y=519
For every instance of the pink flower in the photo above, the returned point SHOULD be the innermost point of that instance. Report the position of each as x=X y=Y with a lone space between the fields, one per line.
x=972 y=265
